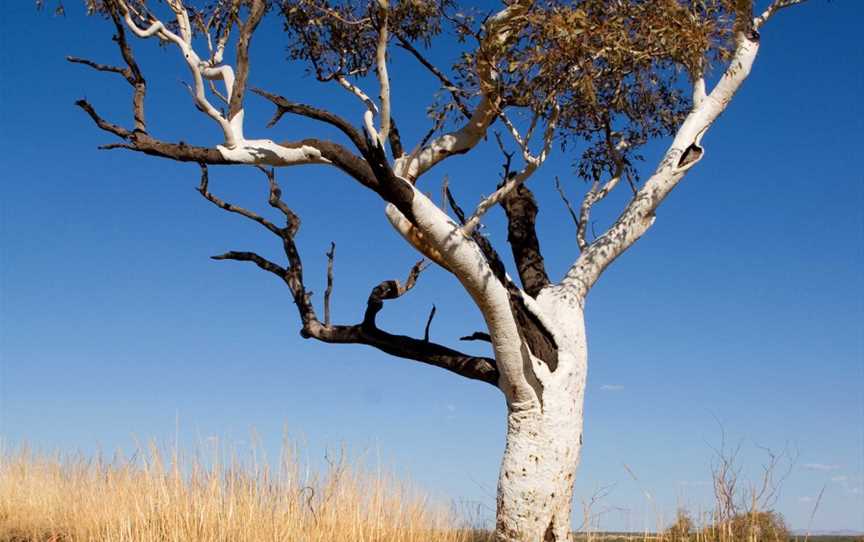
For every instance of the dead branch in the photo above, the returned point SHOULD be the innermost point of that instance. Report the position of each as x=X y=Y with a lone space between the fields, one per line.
x=477 y=336
x=428 y=324
x=329 y=290
x=366 y=332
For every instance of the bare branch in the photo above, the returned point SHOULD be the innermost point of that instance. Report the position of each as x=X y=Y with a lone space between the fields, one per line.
x=261 y=262
x=292 y=221
x=307 y=151
x=451 y=200
x=329 y=290
x=391 y=289
x=473 y=367
x=284 y=105
x=97 y=66
x=367 y=332
x=566 y=201
x=203 y=189
x=428 y=324
x=131 y=73
x=119 y=131
x=134 y=75
x=477 y=336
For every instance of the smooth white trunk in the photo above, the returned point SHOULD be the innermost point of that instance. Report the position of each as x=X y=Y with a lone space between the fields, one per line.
x=544 y=404
x=544 y=437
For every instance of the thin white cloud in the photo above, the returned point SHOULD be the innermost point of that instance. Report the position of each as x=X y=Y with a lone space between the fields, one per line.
x=805 y=499
x=820 y=466
x=839 y=478
x=612 y=387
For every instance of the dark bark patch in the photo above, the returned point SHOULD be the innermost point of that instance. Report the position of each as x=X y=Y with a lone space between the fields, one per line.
x=549 y=535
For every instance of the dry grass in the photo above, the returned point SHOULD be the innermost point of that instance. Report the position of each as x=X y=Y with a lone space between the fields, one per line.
x=167 y=497
x=159 y=497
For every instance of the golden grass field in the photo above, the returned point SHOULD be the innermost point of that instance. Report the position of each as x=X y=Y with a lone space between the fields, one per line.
x=158 y=496
x=154 y=498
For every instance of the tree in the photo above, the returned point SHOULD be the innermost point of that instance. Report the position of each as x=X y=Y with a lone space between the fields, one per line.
x=605 y=77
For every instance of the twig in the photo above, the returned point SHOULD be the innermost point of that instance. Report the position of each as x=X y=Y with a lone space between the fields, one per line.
x=329 y=290
x=429 y=324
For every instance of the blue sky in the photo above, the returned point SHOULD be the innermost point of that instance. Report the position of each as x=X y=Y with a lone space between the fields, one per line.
x=744 y=303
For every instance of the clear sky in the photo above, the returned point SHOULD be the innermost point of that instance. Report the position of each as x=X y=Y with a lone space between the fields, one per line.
x=744 y=303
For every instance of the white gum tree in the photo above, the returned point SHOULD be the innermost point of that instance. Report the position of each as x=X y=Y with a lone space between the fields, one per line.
x=600 y=76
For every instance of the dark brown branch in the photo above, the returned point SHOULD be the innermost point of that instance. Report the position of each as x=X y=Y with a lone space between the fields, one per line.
x=283 y=105
x=257 y=9
x=134 y=75
x=97 y=66
x=391 y=289
x=521 y=209
x=338 y=155
x=329 y=290
x=477 y=336
x=473 y=367
x=261 y=262
x=566 y=201
x=366 y=332
x=392 y=188
x=375 y=172
x=182 y=152
x=119 y=131
x=293 y=274
x=429 y=324
x=292 y=221
x=230 y=207
x=486 y=247
x=508 y=156
x=131 y=73
x=395 y=139
x=451 y=201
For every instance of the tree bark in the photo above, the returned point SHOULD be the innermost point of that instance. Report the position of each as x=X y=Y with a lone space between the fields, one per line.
x=544 y=437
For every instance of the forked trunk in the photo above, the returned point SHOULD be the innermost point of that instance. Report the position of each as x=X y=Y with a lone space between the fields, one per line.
x=544 y=440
